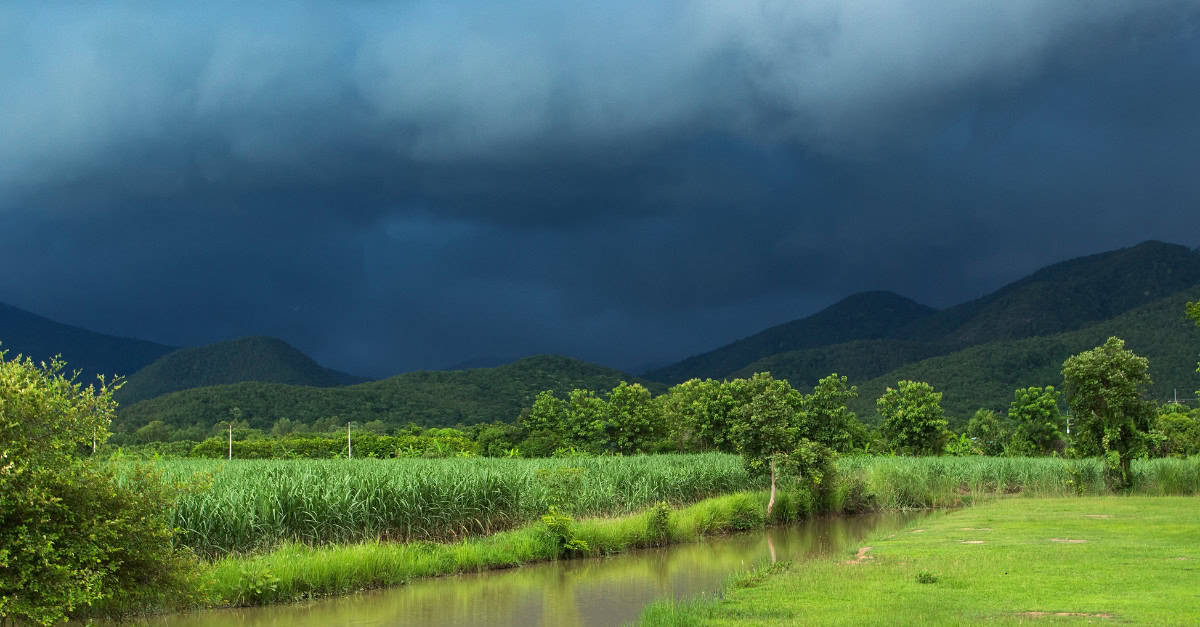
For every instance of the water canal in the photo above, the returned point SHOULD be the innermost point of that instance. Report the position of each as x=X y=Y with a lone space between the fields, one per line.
x=586 y=592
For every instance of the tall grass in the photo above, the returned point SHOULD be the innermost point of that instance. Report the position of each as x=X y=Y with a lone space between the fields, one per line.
x=888 y=483
x=296 y=571
x=254 y=505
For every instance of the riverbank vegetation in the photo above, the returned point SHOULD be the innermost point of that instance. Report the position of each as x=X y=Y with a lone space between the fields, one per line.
x=298 y=569
x=249 y=505
x=1128 y=559
x=435 y=493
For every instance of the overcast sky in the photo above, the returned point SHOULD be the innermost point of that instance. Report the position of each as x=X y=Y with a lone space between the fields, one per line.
x=395 y=186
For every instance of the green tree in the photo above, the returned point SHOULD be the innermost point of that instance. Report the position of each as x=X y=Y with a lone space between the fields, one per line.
x=1105 y=388
x=913 y=419
x=990 y=431
x=1039 y=423
x=826 y=419
x=634 y=423
x=1179 y=431
x=71 y=534
x=283 y=427
x=698 y=415
x=377 y=427
x=765 y=423
x=544 y=425
x=1193 y=312
x=586 y=423
x=153 y=431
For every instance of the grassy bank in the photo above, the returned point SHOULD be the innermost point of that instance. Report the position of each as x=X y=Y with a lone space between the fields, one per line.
x=255 y=505
x=1129 y=559
x=296 y=571
x=490 y=514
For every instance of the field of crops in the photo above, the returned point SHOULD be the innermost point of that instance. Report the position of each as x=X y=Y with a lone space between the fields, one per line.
x=921 y=482
x=256 y=504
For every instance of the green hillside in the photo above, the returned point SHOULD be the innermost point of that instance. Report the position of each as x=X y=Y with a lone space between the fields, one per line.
x=858 y=360
x=986 y=375
x=263 y=359
x=1066 y=296
x=863 y=316
x=846 y=337
x=92 y=353
x=428 y=398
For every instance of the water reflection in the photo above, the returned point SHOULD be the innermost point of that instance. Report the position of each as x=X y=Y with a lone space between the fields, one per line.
x=605 y=591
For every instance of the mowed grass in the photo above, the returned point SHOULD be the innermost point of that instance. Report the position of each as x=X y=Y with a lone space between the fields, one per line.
x=244 y=506
x=1130 y=559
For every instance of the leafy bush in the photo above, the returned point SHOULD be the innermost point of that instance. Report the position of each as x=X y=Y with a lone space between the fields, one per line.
x=71 y=535
x=562 y=528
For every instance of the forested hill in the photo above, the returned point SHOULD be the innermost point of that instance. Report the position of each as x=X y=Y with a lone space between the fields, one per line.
x=1066 y=296
x=429 y=398
x=262 y=359
x=1061 y=297
x=862 y=316
x=986 y=375
x=90 y=352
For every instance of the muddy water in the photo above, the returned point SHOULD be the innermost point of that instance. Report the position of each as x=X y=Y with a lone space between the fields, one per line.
x=601 y=591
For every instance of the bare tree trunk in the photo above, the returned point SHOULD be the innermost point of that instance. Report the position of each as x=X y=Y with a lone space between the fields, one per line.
x=771 y=502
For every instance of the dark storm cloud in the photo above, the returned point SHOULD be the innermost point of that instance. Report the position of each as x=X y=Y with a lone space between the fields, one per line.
x=393 y=187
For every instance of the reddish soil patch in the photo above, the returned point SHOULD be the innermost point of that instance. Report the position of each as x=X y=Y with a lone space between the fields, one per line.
x=861 y=556
x=1068 y=540
x=974 y=528
x=917 y=531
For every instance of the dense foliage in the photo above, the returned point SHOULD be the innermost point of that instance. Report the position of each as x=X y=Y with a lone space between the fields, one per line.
x=71 y=534
x=986 y=375
x=256 y=504
x=432 y=399
x=859 y=360
x=1039 y=425
x=1105 y=388
x=913 y=422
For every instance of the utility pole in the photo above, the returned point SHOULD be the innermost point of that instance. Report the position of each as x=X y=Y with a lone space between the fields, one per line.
x=231 y=441
x=349 y=453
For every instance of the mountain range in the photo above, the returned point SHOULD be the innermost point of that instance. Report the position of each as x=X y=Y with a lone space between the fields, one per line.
x=976 y=353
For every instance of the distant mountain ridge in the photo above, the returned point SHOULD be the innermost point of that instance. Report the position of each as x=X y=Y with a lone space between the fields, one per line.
x=1067 y=295
x=88 y=351
x=861 y=316
x=262 y=359
x=1061 y=297
x=985 y=375
x=429 y=397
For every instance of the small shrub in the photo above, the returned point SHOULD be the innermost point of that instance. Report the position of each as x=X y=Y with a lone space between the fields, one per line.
x=562 y=528
x=659 y=525
x=926 y=577
x=256 y=585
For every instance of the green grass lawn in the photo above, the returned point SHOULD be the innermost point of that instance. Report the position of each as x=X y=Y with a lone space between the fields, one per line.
x=1017 y=560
